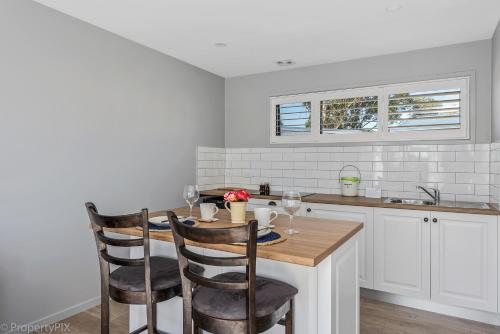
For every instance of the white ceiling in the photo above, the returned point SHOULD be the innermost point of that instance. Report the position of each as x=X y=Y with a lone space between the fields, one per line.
x=311 y=32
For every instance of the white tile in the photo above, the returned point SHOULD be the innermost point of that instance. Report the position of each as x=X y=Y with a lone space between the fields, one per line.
x=260 y=179
x=282 y=181
x=480 y=156
x=438 y=177
x=437 y=156
x=482 y=189
x=329 y=183
x=305 y=165
x=366 y=148
x=294 y=156
x=388 y=166
x=316 y=174
x=472 y=198
x=250 y=156
x=281 y=164
x=240 y=179
x=260 y=150
x=331 y=149
x=454 y=188
x=474 y=178
x=460 y=147
x=362 y=165
x=372 y=156
x=388 y=148
x=271 y=173
x=344 y=156
x=261 y=164
x=275 y=156
x=421 y=148
x=305 y=182
x=482 y=147
x=233 y=156
x=294 y=188
x=401 y=176
x=294 y=173
x=412 y=186
x=482 y=167
x=240 y=164
x=330 y=165
x=459 y=167
x=250 y=172
x=389 y=186
x=420 y=166
x=305 y=149
x=205 y=164
x=317 y=156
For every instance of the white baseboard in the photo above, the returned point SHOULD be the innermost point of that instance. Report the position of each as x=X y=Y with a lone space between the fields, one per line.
x=61 y=315
x=426 y=305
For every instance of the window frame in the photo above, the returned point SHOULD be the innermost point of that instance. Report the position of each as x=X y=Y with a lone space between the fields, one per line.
x=383 y=134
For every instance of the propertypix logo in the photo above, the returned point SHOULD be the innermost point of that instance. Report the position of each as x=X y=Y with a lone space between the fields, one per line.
x=59 y=327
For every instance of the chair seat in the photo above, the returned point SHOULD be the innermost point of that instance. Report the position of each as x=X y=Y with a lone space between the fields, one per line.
x=164 y=275
x=270 y=295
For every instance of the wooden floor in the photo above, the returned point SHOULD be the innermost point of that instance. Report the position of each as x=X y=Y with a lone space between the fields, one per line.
x=376 y=318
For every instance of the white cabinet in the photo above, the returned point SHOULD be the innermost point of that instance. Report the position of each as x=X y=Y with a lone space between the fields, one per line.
x=265 y=203
x=464 y=260
x=352 y=213
x=402 y=252
x=448 y=258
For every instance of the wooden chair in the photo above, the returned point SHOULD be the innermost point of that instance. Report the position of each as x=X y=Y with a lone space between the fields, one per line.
x=232 y=302
x=148 y=280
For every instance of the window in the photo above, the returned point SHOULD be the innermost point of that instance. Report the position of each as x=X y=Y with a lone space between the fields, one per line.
x=427 y=110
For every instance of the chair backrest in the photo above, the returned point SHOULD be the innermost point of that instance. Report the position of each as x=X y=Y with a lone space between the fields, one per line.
x=100 y=222
x=240 y=234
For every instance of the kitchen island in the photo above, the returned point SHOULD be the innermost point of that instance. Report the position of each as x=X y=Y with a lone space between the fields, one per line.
x=321 y=261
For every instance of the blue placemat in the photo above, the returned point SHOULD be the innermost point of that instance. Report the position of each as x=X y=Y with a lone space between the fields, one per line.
x=269 y=237
x=166 y=227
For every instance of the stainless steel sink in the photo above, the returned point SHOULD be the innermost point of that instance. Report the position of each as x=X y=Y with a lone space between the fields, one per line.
x=448 y=204
x=408 y=201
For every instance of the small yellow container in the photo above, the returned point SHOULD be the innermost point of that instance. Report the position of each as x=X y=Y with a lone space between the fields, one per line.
x=238 y=212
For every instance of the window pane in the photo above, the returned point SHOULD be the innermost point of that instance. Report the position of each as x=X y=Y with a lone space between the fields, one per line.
x=424 y=110
x=293 y=119
x=349 y=115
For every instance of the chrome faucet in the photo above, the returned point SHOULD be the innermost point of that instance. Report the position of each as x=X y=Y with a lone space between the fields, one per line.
x=436 y=196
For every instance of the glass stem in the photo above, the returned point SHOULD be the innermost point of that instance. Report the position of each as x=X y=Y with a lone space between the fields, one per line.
x=190 y=210
x=290 y=220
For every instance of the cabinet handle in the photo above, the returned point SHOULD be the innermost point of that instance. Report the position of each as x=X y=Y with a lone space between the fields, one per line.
x=434 y=220
x=308 y=210
x=426 y=219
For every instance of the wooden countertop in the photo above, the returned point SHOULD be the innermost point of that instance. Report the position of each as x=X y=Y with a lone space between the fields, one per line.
x=444 y=206
x=317 y=238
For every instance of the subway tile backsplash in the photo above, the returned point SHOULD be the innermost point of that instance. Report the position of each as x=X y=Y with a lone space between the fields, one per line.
x=495 y=173
x=461 y=172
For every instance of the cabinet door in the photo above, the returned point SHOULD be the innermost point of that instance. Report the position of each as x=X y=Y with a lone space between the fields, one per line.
x=464 y=260
x=265 y=203
x=402 y=252
x=357 y=214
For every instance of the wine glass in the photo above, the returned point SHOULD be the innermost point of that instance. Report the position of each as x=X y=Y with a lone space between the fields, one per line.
x=191 y=195
x=291 y=202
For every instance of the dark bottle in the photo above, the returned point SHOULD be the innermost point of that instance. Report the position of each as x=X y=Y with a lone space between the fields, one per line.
x=267 y=189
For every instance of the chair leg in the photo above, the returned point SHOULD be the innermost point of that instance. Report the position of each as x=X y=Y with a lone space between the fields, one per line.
x=196 y=329
x=104 y=312
x=289 y=319
x=151 y=316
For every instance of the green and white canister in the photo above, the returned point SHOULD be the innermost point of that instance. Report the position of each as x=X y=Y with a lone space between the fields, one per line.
x=349 y=185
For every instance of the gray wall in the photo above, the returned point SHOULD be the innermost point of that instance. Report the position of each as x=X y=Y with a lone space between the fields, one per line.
x=496 y=86
x=247 y=97
x=85 y=115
